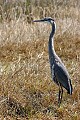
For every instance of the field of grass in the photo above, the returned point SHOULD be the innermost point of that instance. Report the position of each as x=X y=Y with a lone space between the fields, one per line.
x=27 y=91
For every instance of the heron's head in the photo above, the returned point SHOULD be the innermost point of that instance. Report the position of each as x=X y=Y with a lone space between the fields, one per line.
x=46 y=19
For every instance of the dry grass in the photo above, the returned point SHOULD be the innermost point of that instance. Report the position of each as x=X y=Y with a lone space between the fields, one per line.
x=26 y=88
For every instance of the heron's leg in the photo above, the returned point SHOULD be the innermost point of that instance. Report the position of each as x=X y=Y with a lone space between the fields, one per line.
x=59 y=101
x=60 y=95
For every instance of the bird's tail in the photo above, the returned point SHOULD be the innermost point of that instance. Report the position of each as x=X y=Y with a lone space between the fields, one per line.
x=70 y=90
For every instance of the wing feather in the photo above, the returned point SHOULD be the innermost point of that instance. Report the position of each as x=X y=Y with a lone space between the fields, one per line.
x=62 y=76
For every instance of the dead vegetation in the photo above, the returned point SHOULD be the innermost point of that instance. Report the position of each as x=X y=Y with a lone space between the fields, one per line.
x=26 y=88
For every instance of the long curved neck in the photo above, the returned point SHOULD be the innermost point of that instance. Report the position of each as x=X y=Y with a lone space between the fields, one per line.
x=51 y=43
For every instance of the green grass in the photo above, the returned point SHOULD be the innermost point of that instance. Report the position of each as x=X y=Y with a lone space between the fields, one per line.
x=26 y=88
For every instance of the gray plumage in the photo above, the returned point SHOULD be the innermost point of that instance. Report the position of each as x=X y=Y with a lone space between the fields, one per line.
x=59 y=72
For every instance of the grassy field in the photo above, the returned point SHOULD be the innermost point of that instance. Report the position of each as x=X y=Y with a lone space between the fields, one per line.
x=27 y=91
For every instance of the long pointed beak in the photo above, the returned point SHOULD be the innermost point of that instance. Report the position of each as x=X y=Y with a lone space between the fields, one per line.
x=38 y=20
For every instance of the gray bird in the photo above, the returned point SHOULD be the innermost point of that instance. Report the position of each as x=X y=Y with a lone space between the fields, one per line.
x=59 y=72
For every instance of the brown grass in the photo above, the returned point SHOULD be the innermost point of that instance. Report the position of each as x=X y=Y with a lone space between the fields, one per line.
x=26 y=88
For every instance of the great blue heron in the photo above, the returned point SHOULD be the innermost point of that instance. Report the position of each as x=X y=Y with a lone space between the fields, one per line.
x=59 y=72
